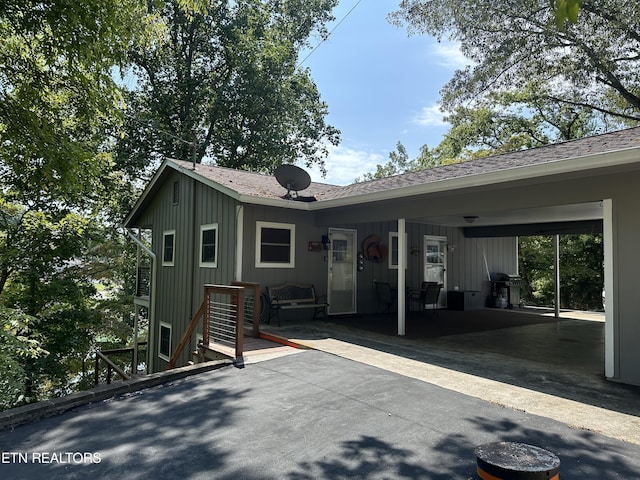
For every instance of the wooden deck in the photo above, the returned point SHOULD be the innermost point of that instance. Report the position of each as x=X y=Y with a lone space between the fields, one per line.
x=255 y=350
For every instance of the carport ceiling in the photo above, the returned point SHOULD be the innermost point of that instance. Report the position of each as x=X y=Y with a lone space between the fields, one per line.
x=554 y=214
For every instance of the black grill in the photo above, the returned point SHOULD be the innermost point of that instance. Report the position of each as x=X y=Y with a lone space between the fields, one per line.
x=505 y=288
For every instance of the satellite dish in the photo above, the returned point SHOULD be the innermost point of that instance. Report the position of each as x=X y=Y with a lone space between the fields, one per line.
x=292 y=178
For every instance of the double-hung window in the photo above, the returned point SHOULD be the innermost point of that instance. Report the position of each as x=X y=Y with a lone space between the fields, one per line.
x=168 y=248
x=209 y=245
x=275 y=245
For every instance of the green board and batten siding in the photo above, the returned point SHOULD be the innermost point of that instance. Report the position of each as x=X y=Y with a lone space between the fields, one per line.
x=179 y=288
x=310 y=266
x=466 y=266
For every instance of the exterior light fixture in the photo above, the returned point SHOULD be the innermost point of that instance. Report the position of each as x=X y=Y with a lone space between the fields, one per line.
x=470 y=218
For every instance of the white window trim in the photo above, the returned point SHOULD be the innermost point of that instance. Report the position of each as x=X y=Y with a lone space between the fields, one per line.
x=394 y=266
x=165 y=234
x=292 y=247
x=214 y=264
x=169 y=326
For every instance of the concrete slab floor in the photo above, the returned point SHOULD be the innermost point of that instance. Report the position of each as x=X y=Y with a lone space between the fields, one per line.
x=553 y=369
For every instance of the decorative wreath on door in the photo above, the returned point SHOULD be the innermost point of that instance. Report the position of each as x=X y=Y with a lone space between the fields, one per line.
x=374 y=250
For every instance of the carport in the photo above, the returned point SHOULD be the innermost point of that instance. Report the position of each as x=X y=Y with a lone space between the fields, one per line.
x=585 y=185
x=572 y=343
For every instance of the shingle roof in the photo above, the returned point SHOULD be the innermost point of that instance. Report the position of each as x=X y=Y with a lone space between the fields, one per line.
x=608 y=142
x=251 y=183
x=266 y=186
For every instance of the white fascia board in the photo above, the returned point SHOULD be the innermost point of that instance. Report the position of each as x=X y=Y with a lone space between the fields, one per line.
x=145 y=193
x=585 y=162
x=241 y=197
x=557 y=167
x=277 y=202
x=195 y=175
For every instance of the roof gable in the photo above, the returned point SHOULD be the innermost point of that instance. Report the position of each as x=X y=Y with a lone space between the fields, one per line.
x=244 y=184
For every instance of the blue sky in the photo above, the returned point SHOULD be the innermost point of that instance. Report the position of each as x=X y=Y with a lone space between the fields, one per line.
x=382 y=86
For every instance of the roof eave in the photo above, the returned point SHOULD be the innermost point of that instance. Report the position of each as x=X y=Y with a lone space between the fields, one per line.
x=572 y=165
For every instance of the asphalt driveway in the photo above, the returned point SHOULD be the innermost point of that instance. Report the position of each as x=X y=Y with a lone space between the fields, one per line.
x=307 y=416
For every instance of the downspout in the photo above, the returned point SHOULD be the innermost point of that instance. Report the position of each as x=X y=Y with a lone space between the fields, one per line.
x=154 y=262
x=195 y=254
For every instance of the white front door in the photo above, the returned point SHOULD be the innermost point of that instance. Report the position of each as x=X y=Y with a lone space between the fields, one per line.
x=435 y=263
x=341 y=294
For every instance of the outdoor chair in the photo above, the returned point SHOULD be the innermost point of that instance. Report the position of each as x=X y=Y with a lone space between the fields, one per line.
x=428 y=295
x=417 y=296
x=385 y=295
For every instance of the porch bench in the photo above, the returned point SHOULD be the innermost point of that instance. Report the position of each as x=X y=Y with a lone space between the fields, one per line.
x=289 y=296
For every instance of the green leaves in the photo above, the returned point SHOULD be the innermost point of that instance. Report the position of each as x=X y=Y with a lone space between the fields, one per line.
x=227 y=78
x=566 y=10
x=16 y=346
x=590 y=64
x=581 y=270
x=59 y=107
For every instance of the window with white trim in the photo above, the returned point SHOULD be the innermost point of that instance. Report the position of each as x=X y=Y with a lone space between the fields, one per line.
x=393 y=251
x=168 y=247
x=275 y=245
x=164 y=341
x=209 y=245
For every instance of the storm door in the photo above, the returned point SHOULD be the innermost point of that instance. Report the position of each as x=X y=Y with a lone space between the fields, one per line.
x=435 y=263
x=342 y=271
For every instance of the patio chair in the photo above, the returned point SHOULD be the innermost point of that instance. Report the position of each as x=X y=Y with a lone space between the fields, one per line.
x=417 y=296
x=428 y=295
x=385 y=296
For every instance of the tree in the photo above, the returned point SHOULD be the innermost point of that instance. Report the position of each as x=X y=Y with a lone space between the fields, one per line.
x=15 y=347
x=59 y=106
x=57 y=95
x=226 y=80
x=590 y=64
x=581 y=270
x=503 y=122
x=398 y=163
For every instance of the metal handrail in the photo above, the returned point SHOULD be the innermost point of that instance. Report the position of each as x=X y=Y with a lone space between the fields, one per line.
x=143 y=281
x=255 y=296
x=231 y=328
x=236 y=295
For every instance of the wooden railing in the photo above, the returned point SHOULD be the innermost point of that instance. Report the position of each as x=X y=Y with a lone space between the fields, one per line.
x=103 y=355
x=222 y=313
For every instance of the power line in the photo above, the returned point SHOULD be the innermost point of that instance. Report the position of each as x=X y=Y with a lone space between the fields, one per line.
x=332 y=30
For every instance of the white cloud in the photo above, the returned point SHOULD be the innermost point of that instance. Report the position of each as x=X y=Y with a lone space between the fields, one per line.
x=430 y=117
x=450 y=56
x=345 y=164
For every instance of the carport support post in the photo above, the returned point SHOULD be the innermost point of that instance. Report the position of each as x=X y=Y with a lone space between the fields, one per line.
x=556 y=271
x=402 y=260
